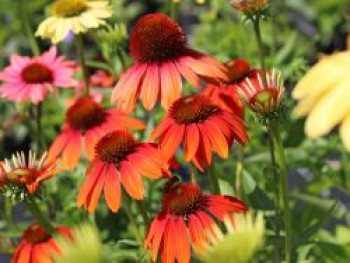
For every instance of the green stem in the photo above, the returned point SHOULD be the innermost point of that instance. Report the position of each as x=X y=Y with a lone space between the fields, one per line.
x=256 y=25
x=193 y=173
x=26 y=25
x=81 y=55
x=132 y=219
x=38 y=214
x=345 y=163
x=8 y=213
x=239 y=172
x=281 y=163
x=174 y=11
x=213 y=181
x=120 y=54
x=38 y=117
x=143 y=212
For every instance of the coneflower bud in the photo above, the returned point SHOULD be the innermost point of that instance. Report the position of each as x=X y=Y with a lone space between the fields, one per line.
x=250 y=6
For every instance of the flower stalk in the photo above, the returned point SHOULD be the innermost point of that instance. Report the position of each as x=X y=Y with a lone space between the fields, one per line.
x=213 y=180
x=278 y=152
x=80 y=51
x=257 y=31
x=132 y=219
x=38 y=122
x=143 y=213
x=40 y=217
x=239 y=172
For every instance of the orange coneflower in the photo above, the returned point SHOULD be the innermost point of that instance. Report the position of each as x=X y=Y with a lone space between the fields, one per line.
x=27 y=172
x=226 y=94
x=119 y=159
x=37 y=245
x=87 y=120
x=202 y=126
x=187 y=217
x=158 y=45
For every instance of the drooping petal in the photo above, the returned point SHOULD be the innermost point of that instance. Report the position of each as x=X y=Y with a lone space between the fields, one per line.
x=168 y=249
x=131 y=180
x=150 y=87
x=191 y=141
x=171 y=84
x=72 y=151
x=144 y=165
x=112 y=189
x=181 y=242
x=171 y=140
x=217 y=139
x=59 y=143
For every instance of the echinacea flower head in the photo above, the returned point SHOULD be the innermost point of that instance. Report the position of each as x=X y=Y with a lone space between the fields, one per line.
x=87 y=121
x=84 y=246
x=119 y=160
x=226 y=93
x=264 y=99
x=37 y=246
x=77 y=16
x=32 y=78
x=250 y=6
x=187 y=218
x=201 y=126
x=26 y=173
x=323 y=95
x=243 y=236
x=158 y=45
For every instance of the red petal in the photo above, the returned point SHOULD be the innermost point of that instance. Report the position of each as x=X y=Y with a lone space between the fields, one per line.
x=131 y=180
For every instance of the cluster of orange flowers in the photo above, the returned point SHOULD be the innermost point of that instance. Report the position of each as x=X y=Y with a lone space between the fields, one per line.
x=201 y=124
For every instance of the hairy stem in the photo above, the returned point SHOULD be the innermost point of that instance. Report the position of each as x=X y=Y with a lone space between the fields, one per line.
x=132 y=219
x=80 y=50
x=256 y=25
x=213 y=180
x=38 y=126
x=239 y=172
x=279 y=155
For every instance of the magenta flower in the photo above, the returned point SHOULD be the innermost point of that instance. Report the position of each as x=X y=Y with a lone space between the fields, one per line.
x=31 y=78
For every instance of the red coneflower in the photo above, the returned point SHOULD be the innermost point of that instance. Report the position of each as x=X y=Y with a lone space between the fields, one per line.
x=119 y=158
x=261 y=98
x=202 y=126
x=87 y=120
x=27 y=172
x=37 y=245
x=186 y=218
x=226 y=94
x=159 y=48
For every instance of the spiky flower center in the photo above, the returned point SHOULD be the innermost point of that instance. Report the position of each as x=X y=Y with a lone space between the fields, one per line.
x=115 y=146
x=192 y=109
x=84 y=114
x=264 y=96
x=238 y=70
x=37 y=73
x=156 y=38
x=36 y=234
x=69 y=8
x=183 y=199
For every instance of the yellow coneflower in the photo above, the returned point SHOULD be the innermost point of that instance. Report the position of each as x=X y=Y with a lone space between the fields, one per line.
x=323 y=95
x=84 y=246
x=243 y=237
x=77 y=16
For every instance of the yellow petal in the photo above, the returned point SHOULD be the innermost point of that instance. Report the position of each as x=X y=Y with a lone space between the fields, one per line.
x=329 y=111
x=324 y=75
x=345 y=132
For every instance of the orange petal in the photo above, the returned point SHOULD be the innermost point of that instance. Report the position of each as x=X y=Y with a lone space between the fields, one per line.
x=171 y=140
x=168 y=252
x=155 y=235
x=145 y=166
x=112 y=189
x=161 y=128
x=217 y=139
x=126 y=122
x=171 y=84
x=72 y=151
x=191 y=141
x=25 y=254
x=96 y=192
x=181 y=242
x=150 y=87
x=188 y=74
x=58 y=144
x=131 y=180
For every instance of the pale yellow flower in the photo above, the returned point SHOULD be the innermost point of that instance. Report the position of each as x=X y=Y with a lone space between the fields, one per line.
x=324 y=97
x=249 y=6
x=84 y=246
x=244 y=235
x=77 y=16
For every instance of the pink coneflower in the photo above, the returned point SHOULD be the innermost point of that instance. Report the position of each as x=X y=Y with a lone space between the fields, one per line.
x=159 y=48
x=31 y=78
